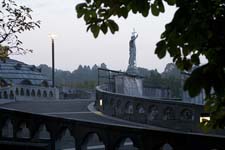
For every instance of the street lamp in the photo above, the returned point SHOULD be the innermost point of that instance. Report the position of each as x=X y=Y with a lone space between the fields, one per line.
x=53 y=36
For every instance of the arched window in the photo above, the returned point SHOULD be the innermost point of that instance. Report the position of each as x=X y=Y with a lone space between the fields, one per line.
x=23 y=131
x=7 y=129
x=153 y=113
x=18 y=66
x=140 y=109
x=166 y=146
x=39 y=93
x=125 y=143
x=169 y=114
x=42 y=132
x=187 y=114
x=91 y=138
x=5 y=95
x=129 y=108
x=26 y=82
x=17 y=91
x=3 y=83
x=50 y=94
x=44 y=83
x=27 y=92
x=32 y=92
x=11 y=95
x=21 y=92
x=65 y=139
x=111 y=102
x=44 y=94
x=118 y=103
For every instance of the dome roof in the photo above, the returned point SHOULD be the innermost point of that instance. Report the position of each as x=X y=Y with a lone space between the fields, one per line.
x=19 y=73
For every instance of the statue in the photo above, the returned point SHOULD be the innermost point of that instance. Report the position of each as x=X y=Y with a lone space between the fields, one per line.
x=132 y=69
x=132 y=46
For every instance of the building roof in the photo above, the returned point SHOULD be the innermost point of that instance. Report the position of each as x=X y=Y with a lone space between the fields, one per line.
x=16 y=72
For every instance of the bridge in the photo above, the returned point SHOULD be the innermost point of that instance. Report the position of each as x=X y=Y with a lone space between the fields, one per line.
x=41 y=124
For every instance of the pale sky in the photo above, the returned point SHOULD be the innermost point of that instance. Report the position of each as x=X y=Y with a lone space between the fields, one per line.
x=75 y=46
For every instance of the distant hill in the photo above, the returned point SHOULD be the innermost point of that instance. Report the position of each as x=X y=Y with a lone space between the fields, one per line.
x=82 y=77
x=86 y=77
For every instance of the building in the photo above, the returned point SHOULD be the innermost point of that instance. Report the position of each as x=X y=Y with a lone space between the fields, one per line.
x=20 y=81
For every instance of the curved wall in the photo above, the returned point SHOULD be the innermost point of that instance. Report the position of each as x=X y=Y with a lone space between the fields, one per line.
x=165 y=113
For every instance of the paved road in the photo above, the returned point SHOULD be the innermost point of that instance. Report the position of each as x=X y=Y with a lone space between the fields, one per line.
x=50 y=106
x=73 y=109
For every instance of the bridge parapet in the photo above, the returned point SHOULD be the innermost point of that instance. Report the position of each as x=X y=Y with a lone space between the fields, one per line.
x=21 y=127
x=160 y=112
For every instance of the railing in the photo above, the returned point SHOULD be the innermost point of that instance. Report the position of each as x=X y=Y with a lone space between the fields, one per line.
x=160 y=112
x=26 y=92
x=22 y=130
x=20 y=127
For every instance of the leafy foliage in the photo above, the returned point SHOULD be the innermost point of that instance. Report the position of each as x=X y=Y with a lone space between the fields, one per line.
x=3 y=52
x=196 y=29
x=98 y=13
x=14 y=19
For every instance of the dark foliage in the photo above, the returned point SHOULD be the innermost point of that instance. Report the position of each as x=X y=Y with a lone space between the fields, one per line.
x=196 y=29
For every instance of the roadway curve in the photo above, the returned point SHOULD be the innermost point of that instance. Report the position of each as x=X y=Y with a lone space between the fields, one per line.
x=81 y=109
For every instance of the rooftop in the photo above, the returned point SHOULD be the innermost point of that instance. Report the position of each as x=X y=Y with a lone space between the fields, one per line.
x=16 y=72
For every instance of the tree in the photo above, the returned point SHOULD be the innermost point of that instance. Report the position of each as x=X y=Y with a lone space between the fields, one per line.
x=14 y=19
x=196 y=29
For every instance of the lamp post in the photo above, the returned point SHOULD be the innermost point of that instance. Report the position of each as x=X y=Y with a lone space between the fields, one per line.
x=52 y=36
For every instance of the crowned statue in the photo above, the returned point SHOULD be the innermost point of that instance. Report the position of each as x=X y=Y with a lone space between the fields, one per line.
x=132 y=69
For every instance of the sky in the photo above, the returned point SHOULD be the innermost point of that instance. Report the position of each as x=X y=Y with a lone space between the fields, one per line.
x=75 y=46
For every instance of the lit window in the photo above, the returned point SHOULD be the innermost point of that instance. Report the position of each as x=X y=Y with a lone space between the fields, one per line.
x=204 y=118
x=100 y=102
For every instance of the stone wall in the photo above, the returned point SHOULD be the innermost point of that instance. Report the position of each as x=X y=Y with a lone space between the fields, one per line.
x=164 y=113
x=157 y=92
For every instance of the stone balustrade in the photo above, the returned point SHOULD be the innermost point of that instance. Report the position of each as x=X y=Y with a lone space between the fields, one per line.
x=20 y=130
x=23 y=130
x=28 y=92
